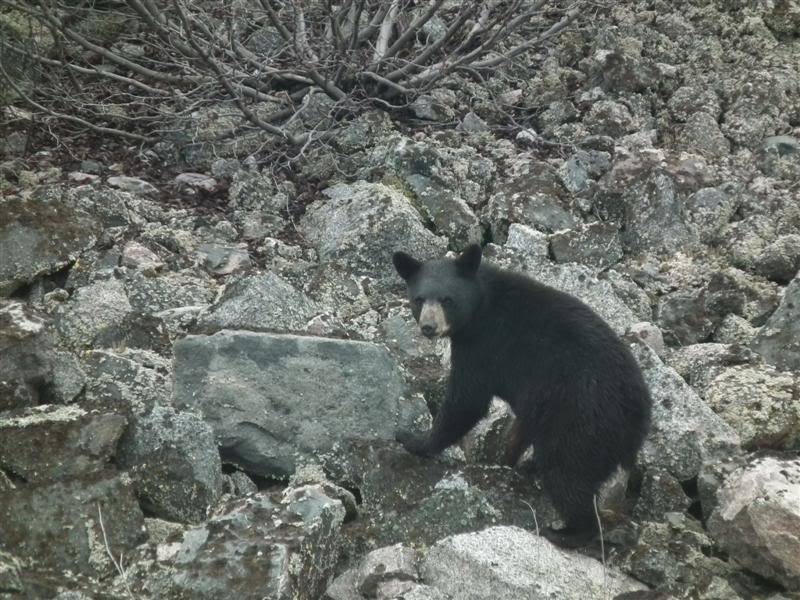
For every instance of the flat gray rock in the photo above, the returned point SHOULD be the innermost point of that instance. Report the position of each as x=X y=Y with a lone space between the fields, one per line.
x=757 y=518
x=364 y=224
x=59 y=524
x=685 y=432
x=175 y=464
x=779 y=339
x=258 y=303
x=40 y=236
x=255 y=548
x=277 y=400
x=509 y=562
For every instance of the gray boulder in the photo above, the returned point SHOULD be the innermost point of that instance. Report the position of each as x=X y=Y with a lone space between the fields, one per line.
x=446 y=183
x=127 y=381
x=175 y=464
x=780 y=260
x=259 y=303
x=531 y=194
x=779 y=339
x=47 y=443
x=701 y=135
x=32 y=370
x=257 y=205
x=647 y=195
x=384 y=565
x=431 y=499
x=757 y=518
x=685 y=432
x=41 y=235
x=363 y=224
x=255 y=548
x=674 y=555
x=10 y=582
x=596 y=245
x=760 y=403
x=275 y=401
x=75 y=513
x=170 y=290
x=508 y=562
x=92 y=312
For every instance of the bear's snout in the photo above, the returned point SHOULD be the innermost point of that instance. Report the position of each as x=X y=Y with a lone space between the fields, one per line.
x=432 y=320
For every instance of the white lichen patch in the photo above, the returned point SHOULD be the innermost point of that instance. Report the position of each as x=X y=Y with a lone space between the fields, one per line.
x=48 y=413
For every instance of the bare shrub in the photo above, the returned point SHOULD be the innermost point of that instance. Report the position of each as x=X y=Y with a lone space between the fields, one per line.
x=141 y=68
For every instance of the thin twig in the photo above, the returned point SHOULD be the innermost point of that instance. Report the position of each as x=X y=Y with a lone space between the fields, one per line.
x=117 y=565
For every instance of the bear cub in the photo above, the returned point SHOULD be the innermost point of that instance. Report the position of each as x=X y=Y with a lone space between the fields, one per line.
x=576 y=391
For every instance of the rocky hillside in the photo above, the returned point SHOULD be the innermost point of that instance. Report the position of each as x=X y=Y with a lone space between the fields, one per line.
x=201 y=403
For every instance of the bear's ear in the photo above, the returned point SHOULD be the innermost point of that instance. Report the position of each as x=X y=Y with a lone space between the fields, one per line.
x=406 y=265
x=469 y=261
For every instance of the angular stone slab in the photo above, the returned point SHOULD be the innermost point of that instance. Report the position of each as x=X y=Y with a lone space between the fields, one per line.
x=40 y=236
x=256 y=548
x=509 y=562
x=757 y=519
x=58 y=525
x=46 y=443
x=277 y=400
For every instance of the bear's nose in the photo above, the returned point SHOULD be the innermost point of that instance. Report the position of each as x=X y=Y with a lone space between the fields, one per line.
x=428 y=330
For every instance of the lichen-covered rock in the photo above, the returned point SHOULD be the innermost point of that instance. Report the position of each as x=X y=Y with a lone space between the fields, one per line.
x=129 y=381
x=141 y=258
x=780 y=260
x=257 y=204
x=10 y=582
x=431 y=499
x=32 y=370
x=698 y=364
x=446 y=183
x=674 y=556
x=363 y=224
x=487 y=441
x=649 y=335
x=757 y=518
x=383 y=565
x=595 y=244
x=660 y=494
x=174 y=462
x=778 y=341
x=685 y=432
x=531 y=194
x=701 y=135
x=224 y=259
x=647 y=193
x=710 y=210
x=582 y=168
x=47 y=443
x=258 y=303
x=607 y=117
x=761 y=404
x=735 y=330
x=41 y=235
x=92 y=312
x=276 y=401
x=254 y=548
x=508 y=562
x=170 y=290
x=74 y=513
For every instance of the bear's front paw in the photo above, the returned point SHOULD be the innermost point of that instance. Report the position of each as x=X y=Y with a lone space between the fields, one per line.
x=415 y=443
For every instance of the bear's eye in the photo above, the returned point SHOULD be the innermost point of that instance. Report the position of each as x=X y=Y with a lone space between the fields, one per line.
x=446 y=301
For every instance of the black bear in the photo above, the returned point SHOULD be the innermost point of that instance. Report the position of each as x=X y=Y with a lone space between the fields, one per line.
x=576 y=391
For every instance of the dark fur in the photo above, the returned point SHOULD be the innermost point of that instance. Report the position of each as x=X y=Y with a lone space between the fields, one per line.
x=577 y=393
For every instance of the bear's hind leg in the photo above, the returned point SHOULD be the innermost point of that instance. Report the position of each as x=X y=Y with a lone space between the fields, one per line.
x=573 y=495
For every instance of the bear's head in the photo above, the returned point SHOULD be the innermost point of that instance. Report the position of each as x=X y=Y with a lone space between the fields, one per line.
x=445 y=294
